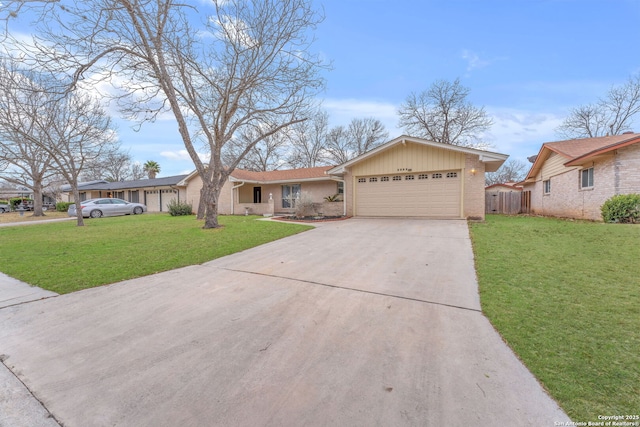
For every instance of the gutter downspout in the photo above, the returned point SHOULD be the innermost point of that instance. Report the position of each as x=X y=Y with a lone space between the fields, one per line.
x=232 y=201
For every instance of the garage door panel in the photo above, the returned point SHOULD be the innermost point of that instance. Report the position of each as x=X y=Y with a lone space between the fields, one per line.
x=431 y=197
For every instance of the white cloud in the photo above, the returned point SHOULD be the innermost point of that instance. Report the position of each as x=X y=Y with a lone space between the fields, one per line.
x=181 y=155
x=473 y=60
x=520 y=133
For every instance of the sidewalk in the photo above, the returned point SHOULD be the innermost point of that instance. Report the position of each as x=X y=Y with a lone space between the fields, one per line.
x=13 y=291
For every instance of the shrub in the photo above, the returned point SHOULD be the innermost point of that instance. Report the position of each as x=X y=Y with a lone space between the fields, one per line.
x=63 y=206
x=177 y=208
x=333 y=198
x=623 y=208
x=304 y=205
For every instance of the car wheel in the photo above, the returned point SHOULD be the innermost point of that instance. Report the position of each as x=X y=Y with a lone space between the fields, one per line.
x=95 y=214
x=137 y=210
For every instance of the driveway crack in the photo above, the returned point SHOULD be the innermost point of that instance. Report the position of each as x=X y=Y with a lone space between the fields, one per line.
x=311 y=282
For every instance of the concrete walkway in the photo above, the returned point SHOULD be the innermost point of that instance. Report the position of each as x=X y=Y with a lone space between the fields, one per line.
x=359 y=323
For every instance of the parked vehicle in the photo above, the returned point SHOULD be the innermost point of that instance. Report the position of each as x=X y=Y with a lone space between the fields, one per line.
x=96 y=208
x=4 y=208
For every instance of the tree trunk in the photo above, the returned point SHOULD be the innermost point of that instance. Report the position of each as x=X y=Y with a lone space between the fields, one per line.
x=37 y=198
x=76 y=198
x=210 y=194
x=201 y=206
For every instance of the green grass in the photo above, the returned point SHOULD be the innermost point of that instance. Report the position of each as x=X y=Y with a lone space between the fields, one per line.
x=63 y=258
x=565 y=295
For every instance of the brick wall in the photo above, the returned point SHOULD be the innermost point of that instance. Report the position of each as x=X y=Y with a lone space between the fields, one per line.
x=473 y=187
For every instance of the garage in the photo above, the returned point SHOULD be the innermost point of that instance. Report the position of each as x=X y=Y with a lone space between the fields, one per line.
x=420 y=194
x=414 y=177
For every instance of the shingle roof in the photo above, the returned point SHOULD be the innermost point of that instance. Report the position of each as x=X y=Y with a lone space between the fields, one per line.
x=574 y=148
x=123 y=185
x=281 y=175
x=576 y=151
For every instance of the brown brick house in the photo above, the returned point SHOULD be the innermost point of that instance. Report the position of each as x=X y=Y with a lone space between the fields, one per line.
x=574 y=178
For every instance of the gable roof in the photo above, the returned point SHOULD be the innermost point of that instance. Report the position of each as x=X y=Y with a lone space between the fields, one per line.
x=492 y=160
x=577 y=151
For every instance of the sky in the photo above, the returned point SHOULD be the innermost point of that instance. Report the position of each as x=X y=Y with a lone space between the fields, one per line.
x=527 y=62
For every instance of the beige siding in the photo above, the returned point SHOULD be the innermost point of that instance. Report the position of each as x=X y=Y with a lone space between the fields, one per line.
x=553 y=166
x=410 y=158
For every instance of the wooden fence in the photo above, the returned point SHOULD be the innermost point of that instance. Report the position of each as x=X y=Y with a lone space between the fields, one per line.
x=509 y=203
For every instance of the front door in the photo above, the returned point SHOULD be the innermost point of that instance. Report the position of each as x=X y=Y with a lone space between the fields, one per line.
x=257 y=194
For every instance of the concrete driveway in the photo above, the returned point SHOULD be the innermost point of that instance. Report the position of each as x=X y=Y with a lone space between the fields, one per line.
x=361 y=322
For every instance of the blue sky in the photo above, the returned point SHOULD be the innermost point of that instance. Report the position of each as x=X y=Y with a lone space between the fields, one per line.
x=526 y=61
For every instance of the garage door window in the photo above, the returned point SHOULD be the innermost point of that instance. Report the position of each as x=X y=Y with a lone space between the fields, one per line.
x=408 y=177
x=362 y=179
x=436 y=175
x=384 y=179
x=397 y=178
x=452 y=174
x=373 y=179
x=423 y=176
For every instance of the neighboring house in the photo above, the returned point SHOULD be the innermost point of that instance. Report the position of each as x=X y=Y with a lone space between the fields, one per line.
x=155 y=193
x=503 y=188
x=406 y=177
x=574 y=178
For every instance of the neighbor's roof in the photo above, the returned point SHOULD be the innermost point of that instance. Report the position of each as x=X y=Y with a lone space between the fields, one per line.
x=577 y=151
x=124 y=185
x=492 y=160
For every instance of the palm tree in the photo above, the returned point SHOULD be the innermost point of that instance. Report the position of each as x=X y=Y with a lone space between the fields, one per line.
x=151 y=168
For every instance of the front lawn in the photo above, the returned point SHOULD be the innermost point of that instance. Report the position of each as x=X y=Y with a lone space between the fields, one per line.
x=565 y=295
x=63 y=258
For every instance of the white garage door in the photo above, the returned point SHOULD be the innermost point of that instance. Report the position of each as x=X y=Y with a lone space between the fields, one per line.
x=426 y=194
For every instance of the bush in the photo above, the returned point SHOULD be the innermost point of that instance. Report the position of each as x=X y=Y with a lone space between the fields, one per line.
x=63 y=206
x=177 y=208
x=623 y=208
x=304 y=205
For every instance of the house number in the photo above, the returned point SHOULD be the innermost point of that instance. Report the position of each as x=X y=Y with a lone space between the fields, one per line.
x=404 y=169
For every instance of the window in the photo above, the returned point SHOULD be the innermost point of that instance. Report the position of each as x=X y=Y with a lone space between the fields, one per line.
x=290 y=193
x=373 y=179
x=384 y=179
x=436 y=175
x=586 y=178
x=452 y=174
x=340 y=187
x=547 y=186
x=423 y=176
x=397 y=178
x=362 y=179
x=408 y=178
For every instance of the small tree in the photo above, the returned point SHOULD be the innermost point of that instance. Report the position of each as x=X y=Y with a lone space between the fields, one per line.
x=511 y=171
x=152 y=168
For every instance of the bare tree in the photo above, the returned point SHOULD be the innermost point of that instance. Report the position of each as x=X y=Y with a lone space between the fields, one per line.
x=116 y=166
x=611 y=115
x=247 y=66
x=70 y=130
x=27 y=164
x=366 y=134
x=307 y=141
x=266 y=155
x=362 y=135
x=443 y=114
x=511 y=171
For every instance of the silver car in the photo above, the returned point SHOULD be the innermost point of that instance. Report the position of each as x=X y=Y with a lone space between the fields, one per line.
x=96 y=208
